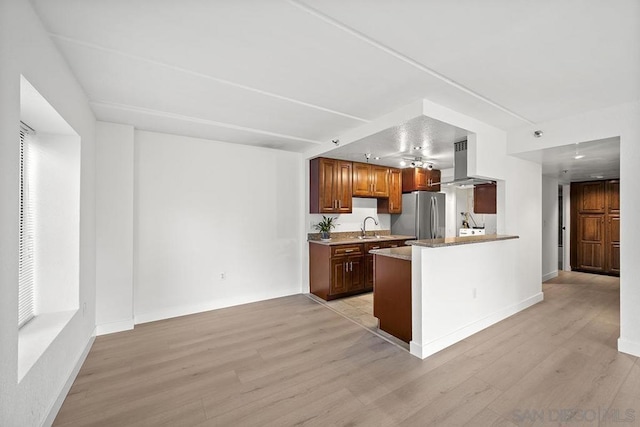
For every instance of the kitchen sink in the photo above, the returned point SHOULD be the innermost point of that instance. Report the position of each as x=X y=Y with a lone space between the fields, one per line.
x=370 y=237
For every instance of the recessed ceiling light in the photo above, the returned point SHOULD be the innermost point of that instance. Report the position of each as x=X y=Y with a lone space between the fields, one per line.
x=578 y=156
x=417 y=147
x=376 y=158
x=597 y=176
x=403 y=163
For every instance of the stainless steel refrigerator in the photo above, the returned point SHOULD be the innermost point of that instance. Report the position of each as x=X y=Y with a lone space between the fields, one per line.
x=422 y=215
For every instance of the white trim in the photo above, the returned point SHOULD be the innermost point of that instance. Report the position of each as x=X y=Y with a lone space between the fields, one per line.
x=549 y=276
x=185 y=310
x=425 y=350
x=111 y=327
x=57 y=404
x=629 y=347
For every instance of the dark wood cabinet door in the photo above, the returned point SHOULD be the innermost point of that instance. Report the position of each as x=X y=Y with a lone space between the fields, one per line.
x=379 y=181
x=343 y=187
x=393 y=203
x=361 y=180
x=339 y=276
x=613 y=197
x=592 y=197
x=356 y=274
x=327 y=183
x=612 y=264
x=484 y=198
x=433 y=179
x=368 y=271
x=591 y=242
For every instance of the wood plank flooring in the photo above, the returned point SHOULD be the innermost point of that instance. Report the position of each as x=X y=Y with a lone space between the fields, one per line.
x=292 y=361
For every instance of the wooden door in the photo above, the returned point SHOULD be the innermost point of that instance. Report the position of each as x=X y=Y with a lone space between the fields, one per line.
x=592 y=197
x=591 y=243
x=613 y=197
x=361 y=180
x=379 y=181
x=612 y=251
x=343 y=187
x=339 y=276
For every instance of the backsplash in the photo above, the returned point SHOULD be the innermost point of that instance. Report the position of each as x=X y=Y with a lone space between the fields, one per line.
x=352 y=222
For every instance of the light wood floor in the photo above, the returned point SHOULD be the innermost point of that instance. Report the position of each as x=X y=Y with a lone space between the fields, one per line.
x=291 y=361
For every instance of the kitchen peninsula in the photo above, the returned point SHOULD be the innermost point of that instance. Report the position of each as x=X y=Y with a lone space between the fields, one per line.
x=461 y=285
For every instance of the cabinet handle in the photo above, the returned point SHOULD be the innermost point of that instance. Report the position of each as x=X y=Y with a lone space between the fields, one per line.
x=339 y=204
x=376 y=247
x=393 y=246
x=348 y=251
x=351 y=266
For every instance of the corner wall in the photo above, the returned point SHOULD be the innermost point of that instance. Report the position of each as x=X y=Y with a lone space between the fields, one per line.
x=25 y=48
x=550 y=218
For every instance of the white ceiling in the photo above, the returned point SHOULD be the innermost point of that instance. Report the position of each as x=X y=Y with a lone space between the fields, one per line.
x=292 y=74
x=596 y=160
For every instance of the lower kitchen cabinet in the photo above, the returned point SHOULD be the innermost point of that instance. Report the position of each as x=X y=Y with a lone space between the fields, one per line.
x=336 y=271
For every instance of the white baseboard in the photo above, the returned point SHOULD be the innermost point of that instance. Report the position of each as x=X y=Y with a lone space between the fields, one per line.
x=549 y=276
x=425 y=350
x=629 y=347
x=57 y=404
x=184 y=310
x=110 y=328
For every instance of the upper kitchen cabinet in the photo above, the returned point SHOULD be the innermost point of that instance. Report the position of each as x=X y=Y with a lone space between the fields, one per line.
x=330 y=186
x=484 y=198
x=393 y=203
x=370 y=180
x=420 y=179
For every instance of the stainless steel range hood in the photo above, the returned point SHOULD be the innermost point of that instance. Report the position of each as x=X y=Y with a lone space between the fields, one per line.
x=460 y=177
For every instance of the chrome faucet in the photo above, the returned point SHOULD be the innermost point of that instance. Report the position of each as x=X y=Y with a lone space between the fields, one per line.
x=364 y=225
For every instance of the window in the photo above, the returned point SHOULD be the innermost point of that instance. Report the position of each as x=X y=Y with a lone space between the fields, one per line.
x=26 y=276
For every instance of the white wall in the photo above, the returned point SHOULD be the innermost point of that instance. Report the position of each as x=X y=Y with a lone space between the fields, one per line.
x=25 y=48
x=203 y=209
x=114 y=227
x=566 y=223
x=622 y=121
x=550 y=218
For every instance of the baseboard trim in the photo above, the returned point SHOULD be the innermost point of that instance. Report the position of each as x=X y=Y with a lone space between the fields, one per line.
x=549 y=276
x=185 y=310
x=425 y=350
x=57 y=404
x=110 y=328
x=629 y=347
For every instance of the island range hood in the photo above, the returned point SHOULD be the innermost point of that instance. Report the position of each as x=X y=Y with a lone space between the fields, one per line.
x=460 y=177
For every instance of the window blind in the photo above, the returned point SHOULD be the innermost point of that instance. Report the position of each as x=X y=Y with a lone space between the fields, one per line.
x=26 y=273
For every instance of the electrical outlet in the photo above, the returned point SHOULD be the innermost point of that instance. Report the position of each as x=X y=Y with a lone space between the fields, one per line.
x=223 y=275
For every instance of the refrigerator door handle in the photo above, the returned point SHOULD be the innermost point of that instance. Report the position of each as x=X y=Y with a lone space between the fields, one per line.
x=432 y=206
x=437 y=212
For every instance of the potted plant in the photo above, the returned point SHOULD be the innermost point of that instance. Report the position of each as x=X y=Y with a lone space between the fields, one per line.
x=325 y=227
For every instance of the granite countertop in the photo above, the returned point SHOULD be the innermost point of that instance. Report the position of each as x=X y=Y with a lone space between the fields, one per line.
x=403 y=252
x=456 y=241
x=351 y=239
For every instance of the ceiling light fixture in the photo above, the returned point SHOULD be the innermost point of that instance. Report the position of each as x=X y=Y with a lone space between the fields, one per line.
x=537 y=133
x=578 y=156
x=417 y=147
x=376 y=158
x=403 y=163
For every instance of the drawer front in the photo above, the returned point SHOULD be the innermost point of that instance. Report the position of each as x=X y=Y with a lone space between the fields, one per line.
x=374 y=245
x=346 y=250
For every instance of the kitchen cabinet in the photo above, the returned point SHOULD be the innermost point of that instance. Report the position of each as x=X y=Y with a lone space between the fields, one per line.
x=330 y=186
x=595 y=226
x=484 y=198
x=420 y=179
x=336 y=271
x=393 y=203
x=370 y=180
x=368 y=258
